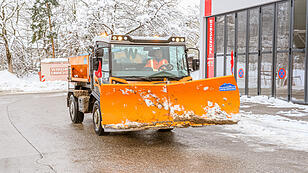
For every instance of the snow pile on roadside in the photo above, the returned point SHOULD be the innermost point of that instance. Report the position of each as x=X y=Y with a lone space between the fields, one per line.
x=279 y=131
x=273 y=102
x=269 y=101
x=284 y=129
x=293 y=113
x=11 y=83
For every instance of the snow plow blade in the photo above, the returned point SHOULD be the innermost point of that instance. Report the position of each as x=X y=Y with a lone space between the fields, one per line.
x=182 y=104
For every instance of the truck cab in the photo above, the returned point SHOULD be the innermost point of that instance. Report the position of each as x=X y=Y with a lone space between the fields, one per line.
x=124 y=59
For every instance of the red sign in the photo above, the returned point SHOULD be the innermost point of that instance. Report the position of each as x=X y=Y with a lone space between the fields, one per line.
x=58 y=71
x=210 y=47
x=210 y=38
x=282 y=73
x=241 y=73
x=208 y=8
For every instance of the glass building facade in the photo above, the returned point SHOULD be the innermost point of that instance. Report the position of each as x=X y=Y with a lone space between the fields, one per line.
x=268 y=44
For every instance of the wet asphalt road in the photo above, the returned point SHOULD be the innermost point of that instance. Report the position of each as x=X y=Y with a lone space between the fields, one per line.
x=36 y=135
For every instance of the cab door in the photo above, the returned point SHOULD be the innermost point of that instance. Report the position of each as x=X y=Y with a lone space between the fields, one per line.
x=105 y=66
x=101 y=68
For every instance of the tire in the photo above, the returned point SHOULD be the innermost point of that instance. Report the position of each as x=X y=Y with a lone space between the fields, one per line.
x=97 y=120
x=76 y=116
x=165 y=130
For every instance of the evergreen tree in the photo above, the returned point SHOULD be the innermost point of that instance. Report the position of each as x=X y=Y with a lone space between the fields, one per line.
x=41 y=21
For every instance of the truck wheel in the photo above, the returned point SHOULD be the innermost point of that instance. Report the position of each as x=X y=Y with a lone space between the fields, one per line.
x=76 y=116
x=97 y=120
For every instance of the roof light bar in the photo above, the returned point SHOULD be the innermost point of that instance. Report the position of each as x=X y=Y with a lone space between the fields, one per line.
x=154 y=39
x=120 y=37
x=177 y=39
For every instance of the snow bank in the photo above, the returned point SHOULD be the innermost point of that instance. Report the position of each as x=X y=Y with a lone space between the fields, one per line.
x=11 y=83
x=278 y=103
x=279 y=131
x=284 y=129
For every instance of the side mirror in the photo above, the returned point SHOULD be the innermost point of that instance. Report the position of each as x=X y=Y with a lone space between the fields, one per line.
x=99 y=52
x=96 y=62
x=193 y=60
x=195 y=64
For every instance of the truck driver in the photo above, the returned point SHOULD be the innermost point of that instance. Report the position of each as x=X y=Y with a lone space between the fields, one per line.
x=157 y=60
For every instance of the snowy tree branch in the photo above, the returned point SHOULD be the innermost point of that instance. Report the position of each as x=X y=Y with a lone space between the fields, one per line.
x=151 y=19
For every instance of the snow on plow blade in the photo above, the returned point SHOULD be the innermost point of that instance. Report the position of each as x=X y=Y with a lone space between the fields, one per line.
x=183 y=104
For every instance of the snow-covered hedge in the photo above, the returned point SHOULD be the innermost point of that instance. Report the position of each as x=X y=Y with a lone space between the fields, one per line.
x=11 y=83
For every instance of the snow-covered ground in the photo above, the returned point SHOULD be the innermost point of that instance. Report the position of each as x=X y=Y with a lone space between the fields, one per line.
x=272 y=102
x=281 y=129
x=11 y=83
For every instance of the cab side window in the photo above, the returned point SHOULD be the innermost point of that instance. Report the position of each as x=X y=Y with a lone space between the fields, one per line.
x=105 y=63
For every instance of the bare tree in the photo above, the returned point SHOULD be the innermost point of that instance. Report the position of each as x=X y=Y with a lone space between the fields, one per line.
x=9 y=14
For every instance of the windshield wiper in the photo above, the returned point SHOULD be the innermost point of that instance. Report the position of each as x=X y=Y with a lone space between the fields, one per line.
x=164 y=74
x=161 y=74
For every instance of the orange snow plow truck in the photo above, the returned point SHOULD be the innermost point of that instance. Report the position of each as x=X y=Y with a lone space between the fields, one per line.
x=133 y=83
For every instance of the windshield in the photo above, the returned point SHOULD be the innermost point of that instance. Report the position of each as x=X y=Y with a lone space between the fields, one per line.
x=148 y=61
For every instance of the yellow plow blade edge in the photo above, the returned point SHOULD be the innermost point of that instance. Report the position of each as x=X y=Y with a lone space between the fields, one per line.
x=195 y=103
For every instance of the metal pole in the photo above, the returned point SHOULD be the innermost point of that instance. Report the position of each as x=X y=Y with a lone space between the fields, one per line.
x=259 y=51
x=290 y=69
x=274 y=60
x=215 y=47
x=247 y=52
x=306 y=55
x=235 y=45
x=225 y=44
x=206 y=41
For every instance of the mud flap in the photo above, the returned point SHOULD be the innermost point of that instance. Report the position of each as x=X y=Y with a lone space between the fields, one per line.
x=194 y=103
